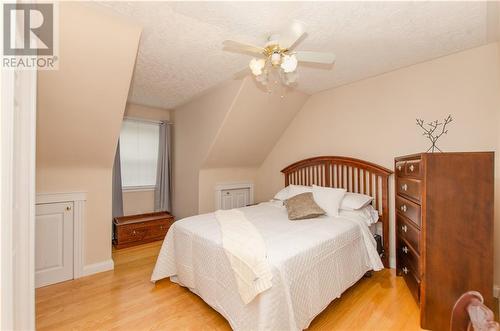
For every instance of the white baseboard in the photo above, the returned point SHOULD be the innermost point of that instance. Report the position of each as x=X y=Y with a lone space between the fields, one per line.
x=95 y=268
x=496 y=291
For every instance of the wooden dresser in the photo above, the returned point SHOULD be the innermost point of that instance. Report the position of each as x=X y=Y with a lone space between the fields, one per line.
x=444 y=237
x=140 y=229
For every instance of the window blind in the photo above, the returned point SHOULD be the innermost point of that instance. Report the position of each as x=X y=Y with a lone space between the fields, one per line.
x=139 y=153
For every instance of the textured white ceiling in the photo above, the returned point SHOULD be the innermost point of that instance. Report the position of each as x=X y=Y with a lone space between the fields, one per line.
x=181 y=54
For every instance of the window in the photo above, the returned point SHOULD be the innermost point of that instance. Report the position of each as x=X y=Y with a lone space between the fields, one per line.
x=139 y=153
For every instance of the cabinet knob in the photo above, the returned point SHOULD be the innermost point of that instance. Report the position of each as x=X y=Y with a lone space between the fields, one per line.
x=404 y=228
x=405 y=249
x=134 y=232
x=399 y=168
x=68 y=208
x=404 y=187
x=412 y=168
x=404 y=208
x=405 y=270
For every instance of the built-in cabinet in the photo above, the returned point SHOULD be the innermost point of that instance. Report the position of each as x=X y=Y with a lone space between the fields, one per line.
x=59 y=237
x=229 y=196
x=235 y=198
x=53 y=243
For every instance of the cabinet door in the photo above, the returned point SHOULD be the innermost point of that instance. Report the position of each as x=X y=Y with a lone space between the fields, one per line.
x=240 y=198
x=53 y=243
x=235 y=198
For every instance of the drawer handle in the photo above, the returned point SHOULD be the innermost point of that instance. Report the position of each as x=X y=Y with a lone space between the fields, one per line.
x=405 y=270
x=161 y=227
x=404 y=208
x=399 y=168
x=405 y=249
x=134 y=232
x=404 y=228
x=412 y=168
x=404 y=187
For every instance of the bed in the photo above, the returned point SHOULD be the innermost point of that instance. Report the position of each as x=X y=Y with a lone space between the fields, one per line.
x=312 y=262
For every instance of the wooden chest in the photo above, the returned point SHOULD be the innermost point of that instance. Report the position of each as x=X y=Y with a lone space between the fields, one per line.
x=444 y=236
x=139 y=229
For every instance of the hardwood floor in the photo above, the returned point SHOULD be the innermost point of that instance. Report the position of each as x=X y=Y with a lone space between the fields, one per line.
x=125 y=299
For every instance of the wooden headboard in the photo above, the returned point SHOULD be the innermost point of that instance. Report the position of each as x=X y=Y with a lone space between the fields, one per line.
x=354 y=175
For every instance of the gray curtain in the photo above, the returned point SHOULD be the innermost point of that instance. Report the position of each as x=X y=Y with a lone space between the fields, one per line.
x=164 y=174
x=117 y=199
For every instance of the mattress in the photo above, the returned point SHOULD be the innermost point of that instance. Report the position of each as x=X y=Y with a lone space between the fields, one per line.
x=313 y=262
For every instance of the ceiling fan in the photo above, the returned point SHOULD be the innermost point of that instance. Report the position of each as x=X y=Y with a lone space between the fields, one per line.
x=278 y=56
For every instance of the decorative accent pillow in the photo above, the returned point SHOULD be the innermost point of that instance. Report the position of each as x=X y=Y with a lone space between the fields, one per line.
x=303 y=206
x=292 y=190
x=354 y=201
x=328 y=199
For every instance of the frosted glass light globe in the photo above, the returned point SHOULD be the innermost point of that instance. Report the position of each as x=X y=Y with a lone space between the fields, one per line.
x=275 y=59
x=289 y=63
x=256 y=65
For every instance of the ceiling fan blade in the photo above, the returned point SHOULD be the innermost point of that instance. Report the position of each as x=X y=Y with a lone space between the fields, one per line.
x=235 y=45
x=289 y=38
x=316 y=57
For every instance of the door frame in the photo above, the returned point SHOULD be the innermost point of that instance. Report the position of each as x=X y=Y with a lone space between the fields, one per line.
x=17 y=229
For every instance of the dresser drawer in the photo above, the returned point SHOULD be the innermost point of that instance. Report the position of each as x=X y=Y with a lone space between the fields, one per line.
x=410 y=188
x=408 y=257
x=400 y=168
x=408 y=232
x=413 y=168
x=409 y=209
x=411 y=281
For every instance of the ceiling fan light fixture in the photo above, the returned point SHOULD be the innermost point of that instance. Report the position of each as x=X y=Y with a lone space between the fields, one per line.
x=290 y=78
x=276 y=59
x=256 y=65
x=289 y=63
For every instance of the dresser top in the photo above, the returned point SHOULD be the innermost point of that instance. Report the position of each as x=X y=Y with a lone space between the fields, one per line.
x=438 y=154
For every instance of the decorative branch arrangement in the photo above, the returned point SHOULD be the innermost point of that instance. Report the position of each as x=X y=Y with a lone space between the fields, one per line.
x=434 y=130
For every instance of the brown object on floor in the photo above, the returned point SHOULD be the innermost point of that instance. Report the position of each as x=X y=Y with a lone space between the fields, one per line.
x=140 y=229
x=125 y=299
x=444 y=237
x=354 y=175
x=470 y=313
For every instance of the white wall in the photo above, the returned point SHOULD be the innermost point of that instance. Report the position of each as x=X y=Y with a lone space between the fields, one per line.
x=210 y=178
x=374 y=119
x=79 y=114
x=195 y=127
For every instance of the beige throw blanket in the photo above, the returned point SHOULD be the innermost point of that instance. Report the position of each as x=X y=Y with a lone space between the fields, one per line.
x=246 y=251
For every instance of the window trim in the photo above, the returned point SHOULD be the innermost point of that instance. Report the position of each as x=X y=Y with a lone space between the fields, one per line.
x=139 y=188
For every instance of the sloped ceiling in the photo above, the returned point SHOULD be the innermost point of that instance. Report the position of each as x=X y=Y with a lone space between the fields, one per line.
x=252 y=126
x=181 y=55
x=80 y=106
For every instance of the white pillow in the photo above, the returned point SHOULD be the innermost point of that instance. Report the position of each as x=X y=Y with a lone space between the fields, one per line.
x=291 y=191
x=354 y=201
x=328 y=199
x=367 y=214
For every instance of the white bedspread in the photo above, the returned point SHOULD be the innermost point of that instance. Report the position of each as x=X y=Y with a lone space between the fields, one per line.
x=246 y=252
x=312 y=261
